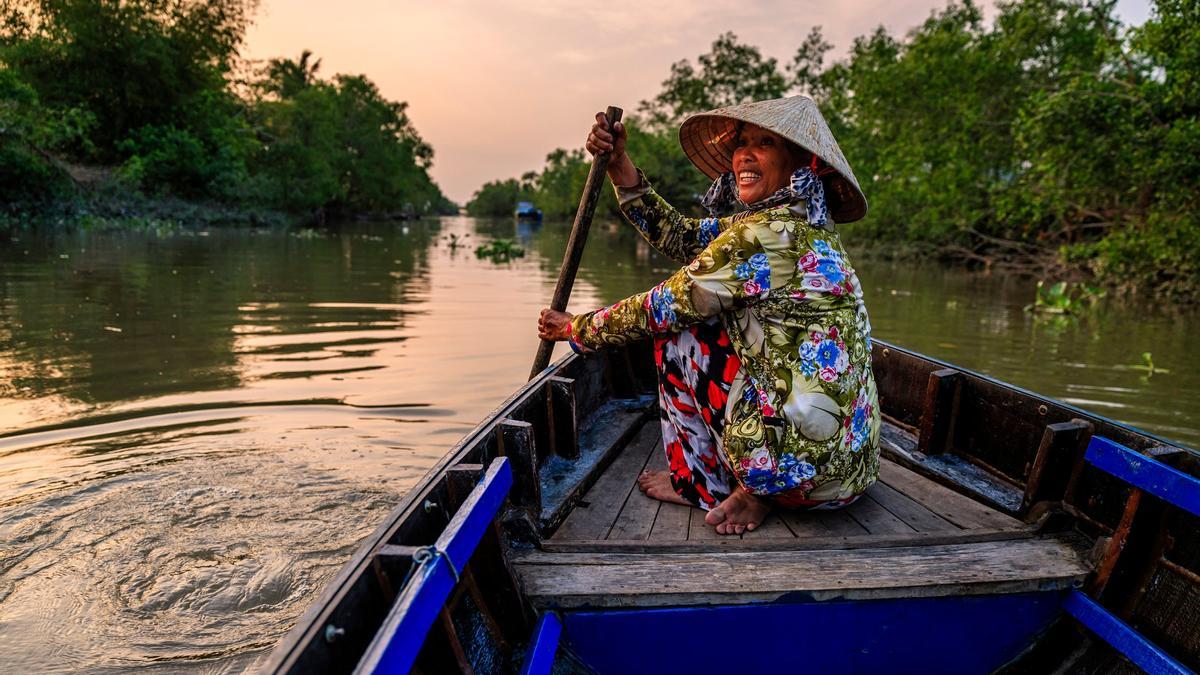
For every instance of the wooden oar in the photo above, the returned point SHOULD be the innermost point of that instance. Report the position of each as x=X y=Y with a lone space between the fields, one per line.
x=579 y=232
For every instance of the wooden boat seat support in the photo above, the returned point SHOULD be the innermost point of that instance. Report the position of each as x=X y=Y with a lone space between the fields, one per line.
x=1061 y=448
x=1146 y=475
x=941 y=408
x=434 y=575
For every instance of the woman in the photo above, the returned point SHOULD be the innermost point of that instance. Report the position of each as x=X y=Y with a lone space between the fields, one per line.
x=761 y=340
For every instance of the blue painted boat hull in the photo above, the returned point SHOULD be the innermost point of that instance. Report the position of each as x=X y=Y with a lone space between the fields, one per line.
x=958 y=635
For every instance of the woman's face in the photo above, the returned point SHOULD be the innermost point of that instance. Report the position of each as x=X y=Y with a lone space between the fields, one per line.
x=762 y=163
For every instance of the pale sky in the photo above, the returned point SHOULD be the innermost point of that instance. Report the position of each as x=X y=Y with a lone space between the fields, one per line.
x=495 y=85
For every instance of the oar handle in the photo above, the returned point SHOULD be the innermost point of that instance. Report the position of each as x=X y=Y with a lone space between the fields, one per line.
x=579 y=232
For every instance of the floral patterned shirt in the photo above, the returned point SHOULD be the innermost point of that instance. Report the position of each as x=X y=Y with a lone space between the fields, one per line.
x=803 y=412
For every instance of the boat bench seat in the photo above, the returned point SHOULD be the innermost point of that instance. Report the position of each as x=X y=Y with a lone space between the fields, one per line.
x=723 y=577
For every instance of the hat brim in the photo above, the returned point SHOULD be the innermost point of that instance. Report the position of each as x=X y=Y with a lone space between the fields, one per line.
x=709 y=139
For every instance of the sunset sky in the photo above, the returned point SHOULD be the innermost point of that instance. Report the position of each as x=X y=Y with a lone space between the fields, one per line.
x=494 y=86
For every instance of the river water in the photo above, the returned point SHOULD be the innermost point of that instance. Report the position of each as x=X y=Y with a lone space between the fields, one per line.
x=197 y=428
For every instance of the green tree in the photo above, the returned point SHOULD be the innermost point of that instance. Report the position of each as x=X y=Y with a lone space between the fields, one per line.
x=731 y=73
x=498 y=198
x=130 y=63
x=29 y=135
x=339 y=145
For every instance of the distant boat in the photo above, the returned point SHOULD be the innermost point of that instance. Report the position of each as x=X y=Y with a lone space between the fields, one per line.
x=527 y=211
x=994 y=541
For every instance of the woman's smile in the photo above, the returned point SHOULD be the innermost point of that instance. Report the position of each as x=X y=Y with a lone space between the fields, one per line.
x=762 y=163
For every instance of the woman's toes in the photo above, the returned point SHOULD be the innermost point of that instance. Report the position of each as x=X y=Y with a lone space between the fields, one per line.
x=716 y=517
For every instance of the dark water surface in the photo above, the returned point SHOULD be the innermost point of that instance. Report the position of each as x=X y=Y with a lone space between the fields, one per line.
x=197 y=428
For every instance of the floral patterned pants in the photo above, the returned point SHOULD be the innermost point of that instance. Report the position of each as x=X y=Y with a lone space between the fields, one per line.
x=696 y=368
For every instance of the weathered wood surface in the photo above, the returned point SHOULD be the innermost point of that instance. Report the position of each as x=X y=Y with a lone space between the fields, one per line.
x=597 y=511
x=736 y=577
x=950 y=505
x=903 y=502
x=827 y=541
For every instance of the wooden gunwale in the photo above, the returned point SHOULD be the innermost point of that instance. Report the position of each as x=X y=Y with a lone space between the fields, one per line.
x=1053 y=405
x=899 y=371
x=312 y=622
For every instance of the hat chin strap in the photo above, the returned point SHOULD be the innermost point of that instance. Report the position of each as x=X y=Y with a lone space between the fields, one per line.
x=804 y=184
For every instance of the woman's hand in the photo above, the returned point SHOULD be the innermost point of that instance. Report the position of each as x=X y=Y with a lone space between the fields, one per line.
x=621 y=170
x=554 y=326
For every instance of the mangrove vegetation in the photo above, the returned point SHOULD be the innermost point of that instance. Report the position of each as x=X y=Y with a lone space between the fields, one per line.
x=128 y=111
x=1052 y=139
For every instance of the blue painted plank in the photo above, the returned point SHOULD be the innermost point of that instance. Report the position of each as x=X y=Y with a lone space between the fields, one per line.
x=466 y=528
x=922 y=636
x=400 y=638
x=1121 y=636
x=1148 y=474
x=543 y=646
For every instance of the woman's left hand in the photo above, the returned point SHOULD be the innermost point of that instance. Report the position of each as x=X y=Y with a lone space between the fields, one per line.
x=554 y=325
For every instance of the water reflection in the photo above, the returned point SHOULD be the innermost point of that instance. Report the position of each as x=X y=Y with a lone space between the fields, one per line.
x=197 y=429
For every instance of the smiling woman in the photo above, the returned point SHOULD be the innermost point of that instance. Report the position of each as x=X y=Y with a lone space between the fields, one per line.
x=762 y=338
x=762 y=162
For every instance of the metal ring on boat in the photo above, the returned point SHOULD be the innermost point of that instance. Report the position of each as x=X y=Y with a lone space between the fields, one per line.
x=426 y=554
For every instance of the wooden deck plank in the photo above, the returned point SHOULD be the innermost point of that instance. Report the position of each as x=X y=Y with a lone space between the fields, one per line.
x=701 y=530
x=773 y=527
x=840 y=523
x=954 y=507
x=636 y=518
x=917 y=516
x=876 y=519
x=672 y=523
x=727 y=577
x=608 y=495
x=805 y=524
x=806 y=543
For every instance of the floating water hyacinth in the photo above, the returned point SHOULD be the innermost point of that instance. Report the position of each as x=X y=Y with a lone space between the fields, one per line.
x=500 y=250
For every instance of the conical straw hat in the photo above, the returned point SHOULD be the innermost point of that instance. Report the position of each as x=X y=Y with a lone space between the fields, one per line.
x=709 y=140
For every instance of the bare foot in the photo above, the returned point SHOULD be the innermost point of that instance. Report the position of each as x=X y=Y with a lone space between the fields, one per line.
x=740 y=512
x=657 y=485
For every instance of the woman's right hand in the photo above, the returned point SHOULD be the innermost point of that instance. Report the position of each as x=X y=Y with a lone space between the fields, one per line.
x=602 y=139
x=621 y=170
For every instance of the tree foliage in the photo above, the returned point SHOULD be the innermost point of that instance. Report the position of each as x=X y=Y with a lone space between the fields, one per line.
x=338 y=144
x=731 y=73
x=148 y=86
x=1052 y=135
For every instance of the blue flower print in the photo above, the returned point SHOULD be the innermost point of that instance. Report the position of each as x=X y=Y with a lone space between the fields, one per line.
x=760 y=267
x=661 y=299
x=760 y=480
x=742 y=271
x=638 y=217
x=804 y=470
x=808 y=358
x=798 y=469
x=828 y=353
x=709 y=229
x=859 y=426
x=831 y=271
x=823 y=249
x=808 y=351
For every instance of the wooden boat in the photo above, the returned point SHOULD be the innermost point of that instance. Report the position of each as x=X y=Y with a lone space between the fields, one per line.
x=1009 y=532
